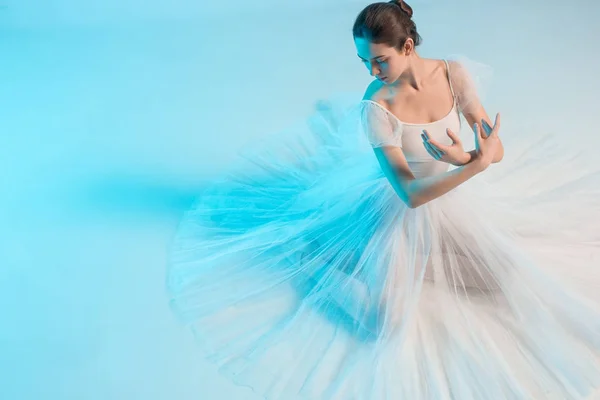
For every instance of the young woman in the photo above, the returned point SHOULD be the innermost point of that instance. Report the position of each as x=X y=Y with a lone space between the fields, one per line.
x=350 y=261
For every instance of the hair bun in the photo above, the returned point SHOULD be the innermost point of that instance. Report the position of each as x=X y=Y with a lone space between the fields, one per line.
x=405 y=7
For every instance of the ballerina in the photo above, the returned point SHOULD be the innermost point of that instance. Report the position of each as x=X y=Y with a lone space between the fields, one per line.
x=365 y=257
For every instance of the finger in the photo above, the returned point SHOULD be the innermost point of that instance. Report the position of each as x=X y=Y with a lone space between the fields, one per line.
x=440 y=151
x=477 y=135
x=436 y=153
x=434 y=145
x=486 y=127
x=452 y=136
x=476 y=129
x=438 y=145
x=481 y=132
x=430 y=151
x=496 y=128
x=425 y=135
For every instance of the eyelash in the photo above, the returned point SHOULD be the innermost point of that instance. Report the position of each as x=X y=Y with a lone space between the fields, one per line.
x=378 y=61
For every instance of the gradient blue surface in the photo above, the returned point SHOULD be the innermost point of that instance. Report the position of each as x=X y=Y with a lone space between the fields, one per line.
x=113 y=114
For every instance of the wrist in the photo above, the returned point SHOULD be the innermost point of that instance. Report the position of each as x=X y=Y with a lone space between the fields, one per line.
x=480 y=163
x=468 y=157
x=464 y=160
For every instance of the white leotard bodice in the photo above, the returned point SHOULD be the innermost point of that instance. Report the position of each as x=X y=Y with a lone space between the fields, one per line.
x=408 y=136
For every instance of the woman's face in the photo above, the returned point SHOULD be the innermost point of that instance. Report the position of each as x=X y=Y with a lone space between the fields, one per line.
x=383 y=62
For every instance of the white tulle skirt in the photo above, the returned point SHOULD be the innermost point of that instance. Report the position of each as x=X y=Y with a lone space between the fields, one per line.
x=304 y=276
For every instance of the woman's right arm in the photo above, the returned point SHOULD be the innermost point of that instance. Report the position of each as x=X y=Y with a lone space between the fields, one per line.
x=416 y=192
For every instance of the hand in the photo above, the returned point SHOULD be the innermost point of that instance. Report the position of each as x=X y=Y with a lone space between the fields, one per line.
x=453 y=154
x=486 y=142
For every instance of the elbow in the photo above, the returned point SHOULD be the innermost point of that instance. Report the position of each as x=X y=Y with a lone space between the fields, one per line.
x=410 y=194
x=413 y=202
x=411 y=198
x=414 y=206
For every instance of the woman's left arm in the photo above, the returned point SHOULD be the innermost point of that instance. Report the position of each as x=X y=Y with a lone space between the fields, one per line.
x=478 y=115
x=470 y=106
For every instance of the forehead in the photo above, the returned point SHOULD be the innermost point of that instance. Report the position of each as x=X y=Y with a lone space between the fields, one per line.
x=369 y=50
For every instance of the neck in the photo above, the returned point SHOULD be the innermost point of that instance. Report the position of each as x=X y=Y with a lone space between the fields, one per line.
x=414 y=74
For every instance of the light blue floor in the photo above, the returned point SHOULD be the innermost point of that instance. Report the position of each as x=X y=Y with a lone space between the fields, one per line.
x=113 y=114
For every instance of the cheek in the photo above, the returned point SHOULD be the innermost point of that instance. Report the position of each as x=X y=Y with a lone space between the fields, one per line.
x=388 y=68
x=395 y=67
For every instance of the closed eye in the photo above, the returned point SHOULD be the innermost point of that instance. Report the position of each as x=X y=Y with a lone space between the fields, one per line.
x=377 y=61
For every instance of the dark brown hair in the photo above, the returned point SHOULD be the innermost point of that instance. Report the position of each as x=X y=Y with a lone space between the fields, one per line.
x=387 y=23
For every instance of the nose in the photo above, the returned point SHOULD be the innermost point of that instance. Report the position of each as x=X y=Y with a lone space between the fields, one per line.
x=374 y=71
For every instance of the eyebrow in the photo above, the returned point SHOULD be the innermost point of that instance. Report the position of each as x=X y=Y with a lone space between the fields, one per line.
x=374 y=58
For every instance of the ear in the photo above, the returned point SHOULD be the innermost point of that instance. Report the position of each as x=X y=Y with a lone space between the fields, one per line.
x=409 y=46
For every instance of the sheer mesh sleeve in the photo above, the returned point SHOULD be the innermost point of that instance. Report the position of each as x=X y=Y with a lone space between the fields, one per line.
x=379 y=126
x=466 y=84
